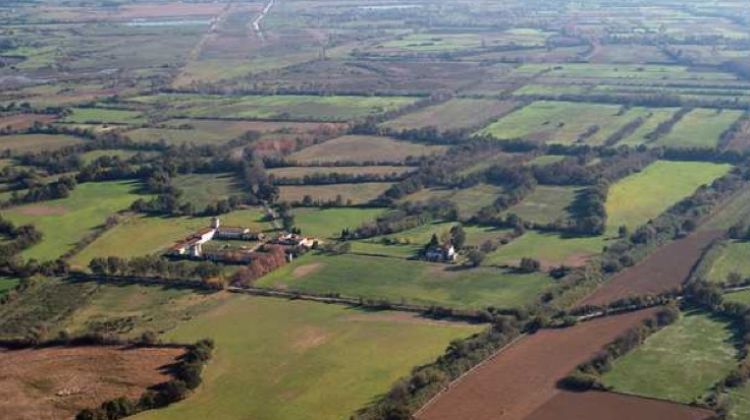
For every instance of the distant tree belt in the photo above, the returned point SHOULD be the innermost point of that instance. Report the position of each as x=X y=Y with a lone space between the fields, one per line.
x=405 y=217
x=334 y=177
x=657 y=100
x=666 y=126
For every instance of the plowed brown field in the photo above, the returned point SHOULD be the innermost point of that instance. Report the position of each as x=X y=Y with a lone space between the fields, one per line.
x=523 y=377
x=666 y=268
x=58 y=382
x=606 y=405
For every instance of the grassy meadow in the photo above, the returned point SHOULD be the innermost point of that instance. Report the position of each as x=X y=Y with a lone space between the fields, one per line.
x=360 y=193
x=412 y=281
x=550 y=249
x=732 y=259
x=633 y=200
x=23 y=143
x=363 y=149
x=455 y=114
x=296 y=359
x=700 y=128
x=64 y=222
x=203 y=189
x=328 y=223
x=680 y=362
x=545 y=204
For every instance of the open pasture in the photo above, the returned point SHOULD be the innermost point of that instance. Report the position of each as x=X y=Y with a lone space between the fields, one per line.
x=563 y=122
x=452 y=115
x=328 y=223
x=288 y=359
x=362 y=149
x=275 y=107
x=731 y=259
x=700 y=128
x=634 y=200
x=103 y=116
x=545 y=204
x=445 y=42
x=653 y=118
x=468 y=200
x=58 y=382
x=201 y=190
x=680 y=362
x=412 y=281
x=361 y=193
x=22 y=143
x=65 y=221
x=549 y=248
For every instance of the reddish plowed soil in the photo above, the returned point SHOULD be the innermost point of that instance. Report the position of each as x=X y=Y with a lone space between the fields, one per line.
x=523 y=377
x=666 y=268
x=24 y=121
x=58 y=382
x=611 y=406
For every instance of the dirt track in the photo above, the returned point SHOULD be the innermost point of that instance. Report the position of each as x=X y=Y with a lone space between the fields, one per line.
x=58 y=382
x=522 y=378
x=611 y=406
x=666 y=268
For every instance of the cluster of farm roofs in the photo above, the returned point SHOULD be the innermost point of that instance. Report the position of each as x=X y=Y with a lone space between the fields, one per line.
x=192 y=246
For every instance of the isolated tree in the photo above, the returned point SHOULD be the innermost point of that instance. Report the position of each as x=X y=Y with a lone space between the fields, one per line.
x=458 y=236
x=475 y=257
x=529 y=265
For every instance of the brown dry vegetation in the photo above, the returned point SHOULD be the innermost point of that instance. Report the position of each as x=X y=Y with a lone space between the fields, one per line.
x=606 y=405
x=24 y=121
x=523 y=377
x=58 y=382
x=363 y=149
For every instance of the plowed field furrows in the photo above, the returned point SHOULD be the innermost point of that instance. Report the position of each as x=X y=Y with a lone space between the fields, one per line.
x=523 y=377
x=58 y=382
x=611 y=406
x=666 y=268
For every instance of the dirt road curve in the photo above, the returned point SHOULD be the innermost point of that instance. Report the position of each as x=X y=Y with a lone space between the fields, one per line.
x=665 y=269
x=611 y=406
x=522 y=378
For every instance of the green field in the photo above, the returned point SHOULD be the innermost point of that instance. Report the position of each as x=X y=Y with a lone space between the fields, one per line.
x=468 y=200
x=634 y=200
x=733 y=259
x=406 y=244
x=275 y=107
x=296 y=359
x=739 y=297
x=680 y=362
x=7 y=284
x=201 y=190
x=454 y=114
x=700 y=128
x=654 y=118
x=35 y=142
x=413 y=281
x=65 y=221
x=361 y=193
x=102 y=115
x=144 y=235
x=562 y=122
x=363 y=149
x=735 y=210
x=545 y=204
x=739 y=398
x=93 y=155
x=549 y=248
x=328 y=223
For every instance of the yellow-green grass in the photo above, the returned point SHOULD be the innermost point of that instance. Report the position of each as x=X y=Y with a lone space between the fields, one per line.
x=734 y=211
x=562 y=122
x=700 y=128
x=468 y=200
x=37 y=142
x=363 y=149
x=203 y=189
x=361 y=193
x=412 y=281
x=298 y=172
x=545 y=204
x=102 y=115
x=739 y=297
x=144 y=235
x=131 y=309
x=454 y=114
x=66 y=221
x=276 y=107
x=328 y=223
x=732 y=259
x=739 y=407
x=636 y=199
x=680 y=362
x=7 y=283
x=550 y=249
x=295 y=359
x=653 y=119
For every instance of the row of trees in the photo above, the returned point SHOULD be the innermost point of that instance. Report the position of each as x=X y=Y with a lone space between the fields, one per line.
x=155 y=266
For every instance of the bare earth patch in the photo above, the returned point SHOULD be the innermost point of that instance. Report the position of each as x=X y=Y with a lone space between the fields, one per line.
x=40 y=210
x=310 y=338
x=58 y=382
x=306 y=269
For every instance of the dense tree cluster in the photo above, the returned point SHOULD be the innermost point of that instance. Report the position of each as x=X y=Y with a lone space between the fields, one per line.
x=156 y=267
x=262 y=263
